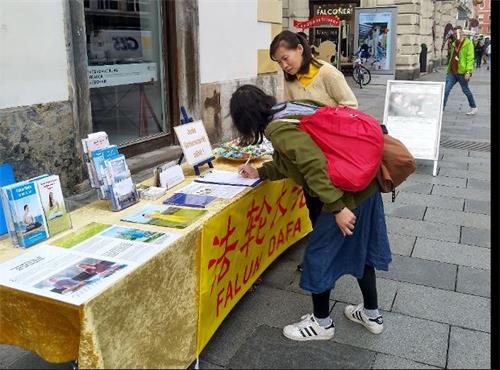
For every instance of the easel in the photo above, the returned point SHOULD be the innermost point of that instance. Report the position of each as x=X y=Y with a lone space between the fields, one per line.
x=143 y=122
x=186 y=119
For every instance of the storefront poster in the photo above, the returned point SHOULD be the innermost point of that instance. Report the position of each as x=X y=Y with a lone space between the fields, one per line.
x=240 y=242
x=375 y=38
x=413 y=113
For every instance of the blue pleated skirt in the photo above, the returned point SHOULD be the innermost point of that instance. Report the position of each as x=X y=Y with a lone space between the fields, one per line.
x=329 y=254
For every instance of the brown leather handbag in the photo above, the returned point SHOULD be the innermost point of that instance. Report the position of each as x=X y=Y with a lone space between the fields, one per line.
x=397 y=164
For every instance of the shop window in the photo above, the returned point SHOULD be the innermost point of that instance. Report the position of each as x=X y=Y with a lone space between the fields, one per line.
x=125 y=68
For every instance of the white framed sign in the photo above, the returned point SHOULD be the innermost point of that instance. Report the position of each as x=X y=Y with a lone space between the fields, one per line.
x=121 y=74
x=194 y=142
x=413 y=113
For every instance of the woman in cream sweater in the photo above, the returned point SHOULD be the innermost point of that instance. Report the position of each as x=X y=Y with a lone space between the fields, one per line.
x=307 y=77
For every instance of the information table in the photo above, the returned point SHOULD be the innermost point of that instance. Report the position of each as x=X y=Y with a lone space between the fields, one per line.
x=163 y=313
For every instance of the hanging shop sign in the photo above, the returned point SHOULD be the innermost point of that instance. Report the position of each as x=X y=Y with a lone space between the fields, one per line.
x=342 y=11
x=314 y=21
x=121 y=74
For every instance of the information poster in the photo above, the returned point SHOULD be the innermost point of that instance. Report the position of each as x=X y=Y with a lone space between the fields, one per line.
x=413 y=113
x=375 y=38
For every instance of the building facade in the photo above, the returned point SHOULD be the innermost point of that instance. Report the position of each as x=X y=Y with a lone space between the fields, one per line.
x=73 y=67
x=418 y=22
x=484 y=17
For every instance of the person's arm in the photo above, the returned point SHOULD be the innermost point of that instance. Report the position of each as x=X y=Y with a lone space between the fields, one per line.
x=469 y=57
x=336 y=86
x=310 y=161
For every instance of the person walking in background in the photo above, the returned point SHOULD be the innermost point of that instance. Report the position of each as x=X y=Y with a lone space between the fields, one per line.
x=311 y=79
x=460 y=67
x=478 y=52
x=350 y=234
x=487 y=53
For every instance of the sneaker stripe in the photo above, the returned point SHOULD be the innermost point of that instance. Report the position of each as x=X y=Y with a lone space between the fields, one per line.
x=307 y=331
x=301 y=332
x=314 y=331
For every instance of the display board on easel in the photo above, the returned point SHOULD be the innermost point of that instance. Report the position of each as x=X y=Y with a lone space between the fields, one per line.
x=413 y=114
x=194 y=142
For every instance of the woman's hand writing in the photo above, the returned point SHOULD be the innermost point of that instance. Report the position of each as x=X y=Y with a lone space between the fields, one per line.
x=248 y=171
x=345 y=220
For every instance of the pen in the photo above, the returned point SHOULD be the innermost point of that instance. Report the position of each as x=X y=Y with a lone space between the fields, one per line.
x=248 y=160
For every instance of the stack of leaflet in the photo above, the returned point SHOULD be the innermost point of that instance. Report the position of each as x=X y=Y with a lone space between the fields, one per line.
x=109 y=172
x=34 y=210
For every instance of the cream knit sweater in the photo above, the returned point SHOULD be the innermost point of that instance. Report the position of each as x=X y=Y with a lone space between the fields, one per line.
x=328 y=87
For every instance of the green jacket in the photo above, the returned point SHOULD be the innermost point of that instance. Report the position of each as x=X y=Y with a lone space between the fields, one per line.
x=297 y=156
x=465 y=57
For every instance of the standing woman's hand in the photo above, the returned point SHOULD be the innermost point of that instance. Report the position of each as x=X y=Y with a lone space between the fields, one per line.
x=345 y=220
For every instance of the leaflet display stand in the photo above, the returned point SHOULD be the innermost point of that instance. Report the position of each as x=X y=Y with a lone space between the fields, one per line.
x=184 y=120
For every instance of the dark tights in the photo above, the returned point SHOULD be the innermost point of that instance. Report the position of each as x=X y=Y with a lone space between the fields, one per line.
x=368 y=286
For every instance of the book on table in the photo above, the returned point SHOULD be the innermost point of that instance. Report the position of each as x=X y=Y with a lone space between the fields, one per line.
x=54 y=208
x=24 y=213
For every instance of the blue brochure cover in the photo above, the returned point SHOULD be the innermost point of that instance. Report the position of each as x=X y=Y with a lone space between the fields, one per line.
x=6 y=178
x=189 y=200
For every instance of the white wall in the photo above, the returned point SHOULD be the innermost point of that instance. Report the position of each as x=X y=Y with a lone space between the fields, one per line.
x=33 y=58
x=229 y=38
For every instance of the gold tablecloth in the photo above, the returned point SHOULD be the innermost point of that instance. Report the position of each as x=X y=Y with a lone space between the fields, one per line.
x=148 y=319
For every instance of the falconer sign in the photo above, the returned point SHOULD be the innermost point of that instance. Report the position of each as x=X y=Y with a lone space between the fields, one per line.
x=320 y=19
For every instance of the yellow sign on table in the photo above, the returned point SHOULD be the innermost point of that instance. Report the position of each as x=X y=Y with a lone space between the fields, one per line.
x=240 y=242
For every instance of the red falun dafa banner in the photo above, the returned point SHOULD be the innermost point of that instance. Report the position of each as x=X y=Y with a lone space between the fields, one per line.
x=240 y=242
x=320 y=19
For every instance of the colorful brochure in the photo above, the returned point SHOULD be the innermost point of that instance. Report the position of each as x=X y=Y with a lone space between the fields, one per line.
x=167 y=216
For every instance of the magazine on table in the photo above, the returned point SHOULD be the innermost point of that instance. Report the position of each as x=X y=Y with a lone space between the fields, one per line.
x=54 y=208
x=98 y=157
x=118 y=180
x=189 y=200
x=214 y=190
x=167 y=216
x=226 y=178
x=24 y=213
x=80 y=265
x=61 y=274
x=97 y=140
x=126 y=243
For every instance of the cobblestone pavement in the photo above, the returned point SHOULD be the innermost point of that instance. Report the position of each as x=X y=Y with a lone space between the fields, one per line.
x=436 y=296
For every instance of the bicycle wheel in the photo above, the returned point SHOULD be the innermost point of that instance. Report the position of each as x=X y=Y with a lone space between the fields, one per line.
x=365 y=75
x=357 y=76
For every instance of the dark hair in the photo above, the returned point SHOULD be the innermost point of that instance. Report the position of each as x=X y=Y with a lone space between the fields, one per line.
x=302 y=34
x=251 y=110
x=291 y=40
x=457 y=28
x=25 y=206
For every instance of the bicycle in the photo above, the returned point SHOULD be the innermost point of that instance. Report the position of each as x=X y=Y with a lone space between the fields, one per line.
x=360 y=73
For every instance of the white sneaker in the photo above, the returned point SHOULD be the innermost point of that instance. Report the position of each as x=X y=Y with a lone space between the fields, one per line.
x=308 y=329
x=472 y=111
x=357 y=314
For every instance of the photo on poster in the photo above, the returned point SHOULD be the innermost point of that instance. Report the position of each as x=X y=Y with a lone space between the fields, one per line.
x=85 y=272
x=374 y=39
x=135 y=235
x=413 y=113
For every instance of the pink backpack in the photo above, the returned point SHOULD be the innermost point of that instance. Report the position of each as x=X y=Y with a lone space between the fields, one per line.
x=352 y=142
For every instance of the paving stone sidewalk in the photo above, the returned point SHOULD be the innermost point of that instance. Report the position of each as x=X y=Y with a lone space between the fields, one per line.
x=436 y=296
